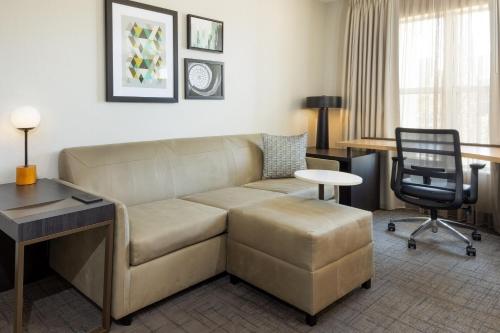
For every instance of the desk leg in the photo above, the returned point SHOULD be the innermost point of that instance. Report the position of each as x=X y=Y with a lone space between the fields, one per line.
x=321 y=191
x=19 y=285
x=108 y=269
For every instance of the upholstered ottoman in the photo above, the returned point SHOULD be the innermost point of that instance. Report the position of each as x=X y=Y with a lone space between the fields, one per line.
x=306 y=252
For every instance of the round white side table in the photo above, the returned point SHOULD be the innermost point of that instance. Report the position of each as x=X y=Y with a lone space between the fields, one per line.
x=328 y=177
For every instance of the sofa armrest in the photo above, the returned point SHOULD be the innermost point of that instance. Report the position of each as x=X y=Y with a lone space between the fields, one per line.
x=121 y=261
x=322 y=164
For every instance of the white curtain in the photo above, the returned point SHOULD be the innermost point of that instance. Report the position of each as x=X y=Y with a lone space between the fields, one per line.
x=371 y=76
x=427 y=64
x=445 y=66
x=446 y=75
x=495 y=107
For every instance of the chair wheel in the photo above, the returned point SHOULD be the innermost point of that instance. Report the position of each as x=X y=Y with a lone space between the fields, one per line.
x=476 y=236
x=412 y=244
x=391 y=227
x=471 y=252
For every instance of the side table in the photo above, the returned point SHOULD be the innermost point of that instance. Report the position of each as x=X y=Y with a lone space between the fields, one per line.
x=362 y=163
x=46 y=210
x=328 y=177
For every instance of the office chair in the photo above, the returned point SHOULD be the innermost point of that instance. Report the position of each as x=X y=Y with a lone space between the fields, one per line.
x=427 y=172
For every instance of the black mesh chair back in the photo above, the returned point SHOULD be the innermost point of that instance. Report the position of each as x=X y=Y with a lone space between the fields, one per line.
x=429 y=169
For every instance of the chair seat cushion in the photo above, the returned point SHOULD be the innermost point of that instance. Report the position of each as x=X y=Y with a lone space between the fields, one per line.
x=231 y=197
x=432 y=193
x=309 y=234
x=162 y=227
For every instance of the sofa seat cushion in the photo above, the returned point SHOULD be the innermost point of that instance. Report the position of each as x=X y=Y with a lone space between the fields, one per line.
x=162 y=227
x=309 y=234
x=283 y=185
x=292 y=186
x=231 y=197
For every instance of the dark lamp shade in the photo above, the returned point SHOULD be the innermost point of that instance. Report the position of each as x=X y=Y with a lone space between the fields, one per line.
x=319 y=102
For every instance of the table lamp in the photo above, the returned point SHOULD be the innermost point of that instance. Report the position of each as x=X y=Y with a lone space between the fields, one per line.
x=323 y=103
x=25 y=118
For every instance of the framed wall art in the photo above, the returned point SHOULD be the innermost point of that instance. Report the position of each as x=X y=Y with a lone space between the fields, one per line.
x=205 y=34
x=203 y=79
x=141 y=53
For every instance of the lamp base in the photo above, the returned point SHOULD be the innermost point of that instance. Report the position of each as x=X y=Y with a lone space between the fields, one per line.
x=26 y=175
x=322 y=131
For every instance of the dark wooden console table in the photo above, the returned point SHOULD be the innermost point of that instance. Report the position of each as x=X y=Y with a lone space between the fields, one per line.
x=44 y=211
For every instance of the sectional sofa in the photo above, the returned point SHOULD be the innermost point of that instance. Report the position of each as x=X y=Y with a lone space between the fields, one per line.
x=190 y=209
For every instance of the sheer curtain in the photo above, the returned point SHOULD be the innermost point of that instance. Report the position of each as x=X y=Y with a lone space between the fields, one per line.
x=445 y=72
x=445 y=66
x=495 y=106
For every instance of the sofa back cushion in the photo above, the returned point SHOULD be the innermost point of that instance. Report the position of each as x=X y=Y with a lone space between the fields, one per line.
x=141 y=172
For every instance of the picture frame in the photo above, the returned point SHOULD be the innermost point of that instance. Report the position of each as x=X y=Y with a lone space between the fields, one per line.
x=141 y=53
x=205 y=34
x=203 y=79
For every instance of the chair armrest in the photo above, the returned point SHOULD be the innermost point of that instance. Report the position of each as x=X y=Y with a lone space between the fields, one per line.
x=477 y=166
x=474 y=181
x=393 y=173
x=322 y=164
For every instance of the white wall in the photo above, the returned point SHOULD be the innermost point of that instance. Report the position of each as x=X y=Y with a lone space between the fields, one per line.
x=52 y=57
x=333 y=70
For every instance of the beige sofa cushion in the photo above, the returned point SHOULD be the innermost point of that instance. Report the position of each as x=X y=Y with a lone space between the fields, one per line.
x=141 y=172
x=306 y=233
x=292 y=186
x=161 y=227
x=282 y=185
x=231 y=197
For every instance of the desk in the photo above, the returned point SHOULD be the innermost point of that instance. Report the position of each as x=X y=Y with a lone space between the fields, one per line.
x=489 y=153
x=44 y=211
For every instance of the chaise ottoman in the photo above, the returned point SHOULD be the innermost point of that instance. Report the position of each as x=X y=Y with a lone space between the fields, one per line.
x=306 y=252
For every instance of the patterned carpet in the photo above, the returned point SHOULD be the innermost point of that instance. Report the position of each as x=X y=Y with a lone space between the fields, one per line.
x=433 y=289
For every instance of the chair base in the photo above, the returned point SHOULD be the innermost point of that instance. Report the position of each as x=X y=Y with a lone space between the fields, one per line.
x=434 y=225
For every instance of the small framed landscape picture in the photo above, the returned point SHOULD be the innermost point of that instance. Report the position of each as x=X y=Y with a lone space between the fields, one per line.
x=205 y=34
x=203 y=79
x=141 y=53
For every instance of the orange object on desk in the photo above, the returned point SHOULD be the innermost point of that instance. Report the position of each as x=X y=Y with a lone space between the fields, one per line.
x=26 y=175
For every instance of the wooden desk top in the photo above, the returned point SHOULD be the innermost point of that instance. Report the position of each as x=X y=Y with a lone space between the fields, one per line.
x=337 y=154
x=484 y=153
x=46 y=208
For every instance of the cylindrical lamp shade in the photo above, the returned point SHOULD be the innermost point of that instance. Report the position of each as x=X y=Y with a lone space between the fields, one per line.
x=26 y=117
x=319 y=102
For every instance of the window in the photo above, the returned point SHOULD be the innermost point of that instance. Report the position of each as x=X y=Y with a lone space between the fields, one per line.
x=445 y=69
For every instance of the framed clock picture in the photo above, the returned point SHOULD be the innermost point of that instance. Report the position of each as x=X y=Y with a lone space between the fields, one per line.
x=141 y=53
x=203 y=79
